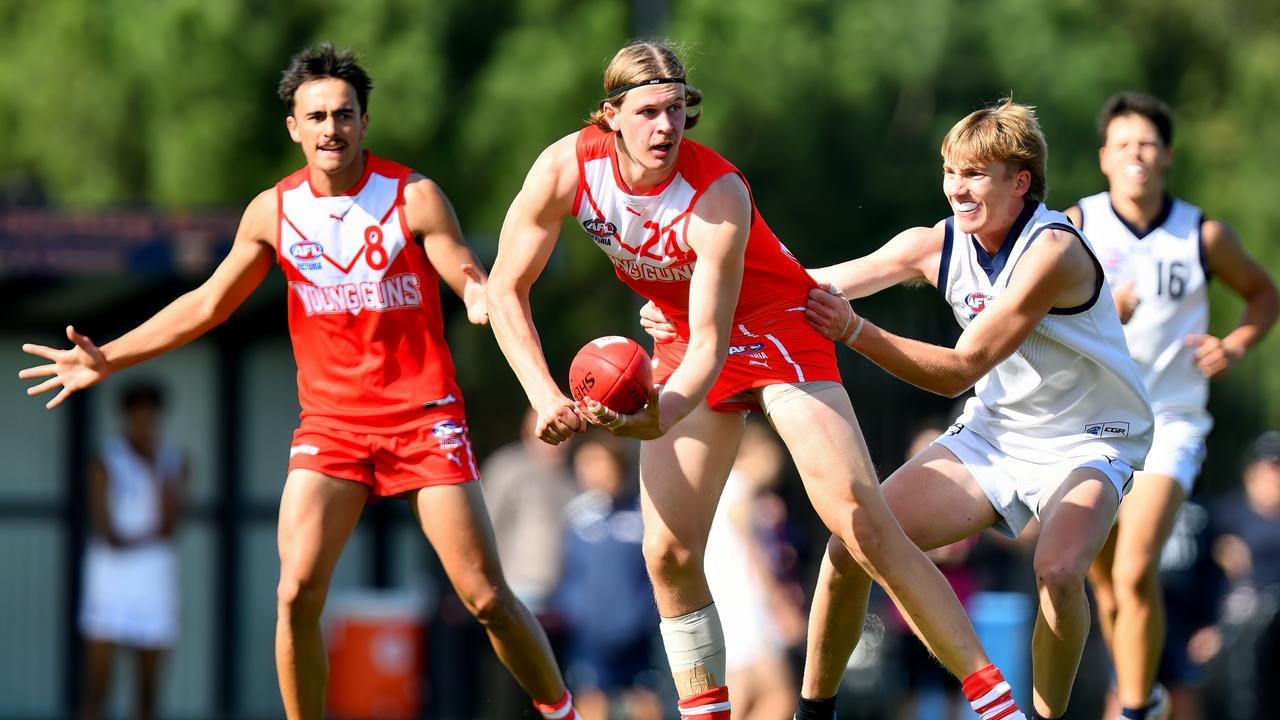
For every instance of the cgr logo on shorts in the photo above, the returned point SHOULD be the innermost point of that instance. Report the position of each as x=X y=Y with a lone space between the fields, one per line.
x=450 y=433
x=1114 y=428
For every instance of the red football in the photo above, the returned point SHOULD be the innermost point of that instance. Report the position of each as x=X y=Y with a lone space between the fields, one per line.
x=614 y=371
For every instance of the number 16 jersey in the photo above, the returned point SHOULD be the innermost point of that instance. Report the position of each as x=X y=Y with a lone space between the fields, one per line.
x=1167 y=267
x=364 y=306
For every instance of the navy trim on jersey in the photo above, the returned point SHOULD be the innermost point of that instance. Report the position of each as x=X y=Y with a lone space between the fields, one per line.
x=1204 y=256
x=1165 y=210
x=944 y=269
x=993 y=264
x=1097 y=266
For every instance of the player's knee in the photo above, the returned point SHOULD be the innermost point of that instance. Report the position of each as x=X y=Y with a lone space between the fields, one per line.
x=1058 y=576
x=489 y=605
x=299 y=598
x=1135 y=580
x=841 y=557
x=866 y=538
x=669 y=559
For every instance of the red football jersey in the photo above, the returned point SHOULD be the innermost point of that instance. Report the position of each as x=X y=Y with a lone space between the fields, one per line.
x=644 y=235
x=364 y=305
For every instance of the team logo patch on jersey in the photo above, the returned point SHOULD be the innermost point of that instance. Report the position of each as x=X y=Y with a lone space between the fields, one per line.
x=1112 y=259
x=1108 y=429
x=754 y=350
x=601 y=230
x=977 y=302
x=450 y=434
x=306 y=250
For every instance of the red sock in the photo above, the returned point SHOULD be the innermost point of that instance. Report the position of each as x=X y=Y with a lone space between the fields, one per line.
x=710 y=705
x=990 y=696
x=562 y=709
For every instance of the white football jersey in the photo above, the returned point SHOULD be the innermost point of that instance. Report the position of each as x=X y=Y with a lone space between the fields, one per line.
x=134 y=486
x=1167 y=267
x=1071 y=389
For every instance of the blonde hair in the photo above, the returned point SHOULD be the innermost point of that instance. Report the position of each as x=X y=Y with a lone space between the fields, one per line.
x=1005 y=132
x=637 y=62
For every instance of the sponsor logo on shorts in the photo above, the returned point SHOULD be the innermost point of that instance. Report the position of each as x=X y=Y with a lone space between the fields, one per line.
x=601 y=230
x=752 y=350
x=954 y=429
x=304 y=450
x=1108 y=429
x=450 y=434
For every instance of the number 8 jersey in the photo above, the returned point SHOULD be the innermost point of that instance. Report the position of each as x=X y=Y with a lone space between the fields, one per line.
x=1167 y=267
x=364 y=305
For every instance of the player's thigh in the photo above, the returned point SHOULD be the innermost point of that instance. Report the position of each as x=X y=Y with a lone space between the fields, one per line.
x=936 y=499
x=456 y=522
x=933 y=497
x=683 y=473
x=317 y=514
x=1146 y=518
x=1075 y=521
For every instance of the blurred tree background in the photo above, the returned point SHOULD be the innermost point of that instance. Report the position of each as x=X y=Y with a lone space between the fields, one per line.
x=835 y=112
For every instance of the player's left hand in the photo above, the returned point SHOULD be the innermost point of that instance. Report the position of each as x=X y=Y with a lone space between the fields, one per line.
x=643 y=425
x=657 y=324
x=473 y=296
x=1213 y=357
x=830 y=313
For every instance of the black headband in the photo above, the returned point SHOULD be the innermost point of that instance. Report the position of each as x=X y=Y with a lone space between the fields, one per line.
x=656 y=81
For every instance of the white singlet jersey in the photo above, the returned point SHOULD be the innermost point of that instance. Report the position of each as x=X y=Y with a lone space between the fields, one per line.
x=1071 y=389
x=1170 y=276
x=135 y=486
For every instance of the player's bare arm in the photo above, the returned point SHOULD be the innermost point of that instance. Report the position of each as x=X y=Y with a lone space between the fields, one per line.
x=183 y=320
x=912 y=254
x=431 y=217
x=1123 y=294
x=528 y=236
x=718 y=231
x=1057 y=271
x=1229 y=261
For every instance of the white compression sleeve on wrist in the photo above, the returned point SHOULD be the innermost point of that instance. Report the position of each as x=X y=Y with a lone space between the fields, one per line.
x=695 y=650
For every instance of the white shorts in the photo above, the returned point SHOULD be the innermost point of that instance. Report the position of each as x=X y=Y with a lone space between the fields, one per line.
x=130 y=595
x=1178 y=448
x=1017 y=487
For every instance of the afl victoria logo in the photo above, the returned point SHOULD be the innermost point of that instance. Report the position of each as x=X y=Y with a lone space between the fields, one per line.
x=306 y=250
x=977 y=302
x=600 y=229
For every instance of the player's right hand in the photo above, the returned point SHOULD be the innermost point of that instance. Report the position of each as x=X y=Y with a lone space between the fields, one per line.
x=558 y=420
x=80 y=367
x=656 y=324
x=1126 y=301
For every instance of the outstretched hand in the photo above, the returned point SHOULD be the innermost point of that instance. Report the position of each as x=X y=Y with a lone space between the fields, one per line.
x=77 y=368
x=656 y=324
x=473 y=296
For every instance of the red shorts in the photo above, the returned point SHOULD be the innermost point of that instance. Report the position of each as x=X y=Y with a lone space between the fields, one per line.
x=780 y=350
x=437 y=452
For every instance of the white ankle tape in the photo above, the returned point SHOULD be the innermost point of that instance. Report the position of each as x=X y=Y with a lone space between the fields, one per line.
x=695 y=641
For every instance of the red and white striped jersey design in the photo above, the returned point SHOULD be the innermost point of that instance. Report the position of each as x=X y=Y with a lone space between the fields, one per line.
x=364 y=305
x=645 y=235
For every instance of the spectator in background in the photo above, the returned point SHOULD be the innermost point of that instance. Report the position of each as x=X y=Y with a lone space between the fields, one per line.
x=1246 y=644
x=130 y=571
x=760 y=619
x=604 y=594
x=527 y=485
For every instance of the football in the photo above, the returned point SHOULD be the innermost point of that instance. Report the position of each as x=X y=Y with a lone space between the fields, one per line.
x=614 y=371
